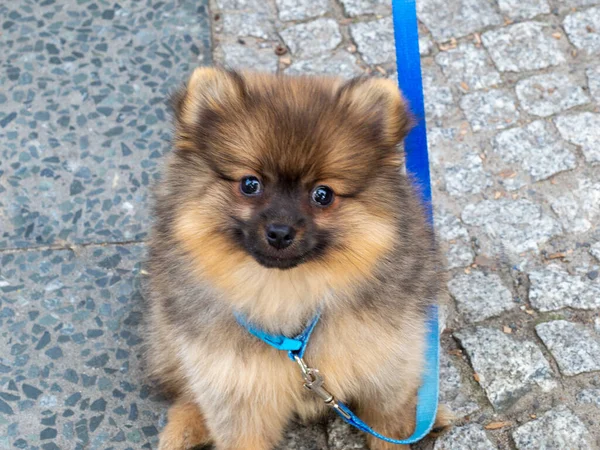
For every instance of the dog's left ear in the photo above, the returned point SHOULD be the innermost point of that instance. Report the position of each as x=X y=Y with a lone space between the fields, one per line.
x=381 y=104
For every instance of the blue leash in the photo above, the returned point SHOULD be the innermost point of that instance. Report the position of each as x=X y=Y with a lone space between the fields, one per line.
x=417 y=164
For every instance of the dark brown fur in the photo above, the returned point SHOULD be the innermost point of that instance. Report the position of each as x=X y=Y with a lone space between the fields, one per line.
x=373 y=267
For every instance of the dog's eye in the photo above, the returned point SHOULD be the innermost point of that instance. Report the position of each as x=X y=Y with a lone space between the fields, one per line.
x=322 y=195
x=250 y=186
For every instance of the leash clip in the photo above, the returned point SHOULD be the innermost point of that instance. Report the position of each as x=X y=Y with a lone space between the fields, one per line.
x=313 y=382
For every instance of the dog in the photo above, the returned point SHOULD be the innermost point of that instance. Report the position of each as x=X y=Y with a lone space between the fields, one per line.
x=283 y=197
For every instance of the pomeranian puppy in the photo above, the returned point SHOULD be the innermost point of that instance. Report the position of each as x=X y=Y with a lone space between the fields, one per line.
x=284 y=196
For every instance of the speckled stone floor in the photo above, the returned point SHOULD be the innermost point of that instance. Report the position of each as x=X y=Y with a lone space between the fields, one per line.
x=83 y=124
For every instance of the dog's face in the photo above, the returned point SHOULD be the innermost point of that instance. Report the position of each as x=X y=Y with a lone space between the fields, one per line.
x=282 y=173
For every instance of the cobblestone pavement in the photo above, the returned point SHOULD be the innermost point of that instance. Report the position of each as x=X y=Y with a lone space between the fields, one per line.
x=512 y=95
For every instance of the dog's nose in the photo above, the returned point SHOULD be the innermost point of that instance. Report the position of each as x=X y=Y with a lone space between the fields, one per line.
x=280 y=236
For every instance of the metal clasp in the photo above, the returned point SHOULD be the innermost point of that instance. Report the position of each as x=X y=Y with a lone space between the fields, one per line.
x=313 y=381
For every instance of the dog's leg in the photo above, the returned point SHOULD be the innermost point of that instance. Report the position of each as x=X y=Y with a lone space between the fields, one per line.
x=399 y=424
x=248 y=426
x=185 y=428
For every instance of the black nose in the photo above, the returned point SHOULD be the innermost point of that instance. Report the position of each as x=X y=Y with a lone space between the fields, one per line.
x=280 y=236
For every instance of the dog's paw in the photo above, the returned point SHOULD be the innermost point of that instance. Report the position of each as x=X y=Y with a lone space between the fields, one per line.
x=443 y=421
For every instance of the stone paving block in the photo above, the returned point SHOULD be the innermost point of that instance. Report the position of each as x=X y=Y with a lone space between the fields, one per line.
x=557 y=429
x=589 y=396
x=507 y=368
x=238 y=56
x=353 y=8
x=342 y=436
x=553 y=288
x=514 y=225
x=245 y=5
x=523 y=46
x=302 y=437
x=254 y=24
x=468 y=437
x=439 y=101
x=453 y=393
x=468 y=67
x=448 y=226
x=301 y=9
x=375 y=40
x=595 y=250
x=575 y=348
x=340 y=63
x=459 y=254
x=493 y=109
x=583 y=29
x=547 y=94
x=425 y=45
x=535 y=152
x=593 y=76
x=466 y=175
x=480 y=296
x=523 y=9
x=579 y=208
x=83 y=119
x=582 y=129
x=311 y=39
x=458 y=18
x=70 y=349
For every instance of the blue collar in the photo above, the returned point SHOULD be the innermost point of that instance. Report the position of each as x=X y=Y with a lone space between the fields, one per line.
x=294 y=346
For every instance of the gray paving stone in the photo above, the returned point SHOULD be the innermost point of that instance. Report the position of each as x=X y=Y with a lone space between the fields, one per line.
x=468 y=437
x=575 y=348
x=375 y=40
x=579 y=208
x=459 y=254
x=448 y=226
x=240 y=56
x=466 y=175
x=557 y=429
x=353 y=8
x=301 y=437
x=493 y=109
x=507 y=368
x=425 y=45
x=453 y=393
x=595 y=250
x=553 y=288
x=245 y=5
x=547 y=94
x=513 y=225
x=83 y=119
x=301 y=9
x=593 y=76
x=70 y=349
x=468 y=65
x=480 y=296
x=311 y=39
x=535 y=152
x=340 y=63
x=439 y=101
x=458 y=18
x=583 y=29
x=342 y=436
x=523 y=46
x=589 y=396
x=582 y=129
x=523 y=9
x=254 y=24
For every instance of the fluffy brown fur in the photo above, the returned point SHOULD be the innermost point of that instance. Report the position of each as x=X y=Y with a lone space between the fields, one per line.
x=368 y=260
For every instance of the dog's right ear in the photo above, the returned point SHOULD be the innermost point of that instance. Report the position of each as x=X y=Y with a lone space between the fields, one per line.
x=208 y=89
